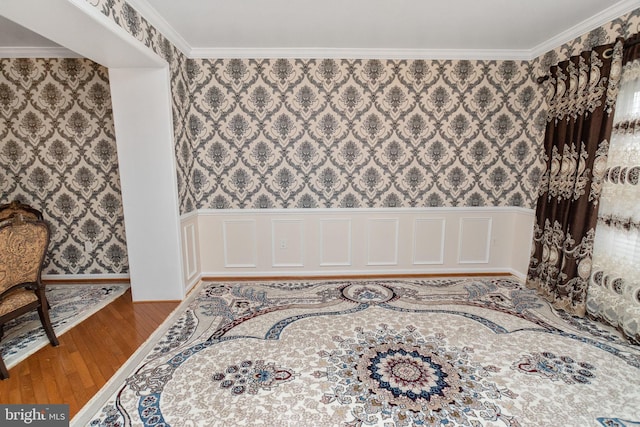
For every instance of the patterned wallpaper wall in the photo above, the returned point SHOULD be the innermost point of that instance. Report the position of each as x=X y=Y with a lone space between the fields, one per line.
x=346 y=133
x=58 y=154
x=276 y=133
x=281 y=133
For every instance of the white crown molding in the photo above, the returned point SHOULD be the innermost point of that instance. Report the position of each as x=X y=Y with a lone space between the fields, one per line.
x=348 y=53
x=607 y=15
x=37 y=52
x=154 y=18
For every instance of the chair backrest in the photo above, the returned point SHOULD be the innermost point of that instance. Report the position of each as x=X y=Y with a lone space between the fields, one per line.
x=17 y=208
x=23 y=246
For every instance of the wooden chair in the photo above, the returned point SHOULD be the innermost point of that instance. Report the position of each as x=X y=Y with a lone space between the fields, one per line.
x=18 y=208
x=23 y=245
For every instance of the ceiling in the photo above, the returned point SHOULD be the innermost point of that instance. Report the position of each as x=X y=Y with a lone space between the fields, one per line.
x=17 y=41
x=496 y=29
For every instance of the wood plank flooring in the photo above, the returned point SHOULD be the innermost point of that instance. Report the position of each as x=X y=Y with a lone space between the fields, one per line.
x=88 y=355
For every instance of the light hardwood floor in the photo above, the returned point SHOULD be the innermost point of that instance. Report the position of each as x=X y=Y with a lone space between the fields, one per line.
x=88 y=355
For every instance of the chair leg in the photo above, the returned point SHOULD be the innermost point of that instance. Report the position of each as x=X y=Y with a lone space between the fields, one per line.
x=43 y=312
x=4 y=374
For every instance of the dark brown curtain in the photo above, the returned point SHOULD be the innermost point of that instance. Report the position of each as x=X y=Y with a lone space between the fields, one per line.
x=581 y=97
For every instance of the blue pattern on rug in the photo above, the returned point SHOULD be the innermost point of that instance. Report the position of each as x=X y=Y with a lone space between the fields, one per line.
x=617 y=422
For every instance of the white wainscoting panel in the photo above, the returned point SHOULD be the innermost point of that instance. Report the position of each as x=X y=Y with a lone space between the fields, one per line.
x=287 y=243
x=240 y=243
x=428 y=241
x=382 y=241
x=189 y=241
x=474 y=245
x=326 y=242
x=190 y=250
x=335 y=242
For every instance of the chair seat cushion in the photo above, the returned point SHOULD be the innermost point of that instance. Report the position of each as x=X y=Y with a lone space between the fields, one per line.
x=17 y=299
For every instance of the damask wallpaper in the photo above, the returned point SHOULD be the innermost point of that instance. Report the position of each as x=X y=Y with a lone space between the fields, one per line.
x=58 y=154
x=279 y=133
x=284 y=133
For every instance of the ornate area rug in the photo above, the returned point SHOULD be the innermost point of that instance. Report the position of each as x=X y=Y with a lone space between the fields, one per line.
x=70 y=305
x=444 y=352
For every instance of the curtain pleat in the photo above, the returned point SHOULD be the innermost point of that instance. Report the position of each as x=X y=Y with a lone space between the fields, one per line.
x=582 y=95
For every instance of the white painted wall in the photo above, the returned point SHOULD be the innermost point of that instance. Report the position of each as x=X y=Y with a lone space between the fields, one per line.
x=146 y=160
x=316 y=242
x=142 y=113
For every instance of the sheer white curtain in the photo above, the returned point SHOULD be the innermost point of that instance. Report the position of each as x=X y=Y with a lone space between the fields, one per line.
x=614 y=288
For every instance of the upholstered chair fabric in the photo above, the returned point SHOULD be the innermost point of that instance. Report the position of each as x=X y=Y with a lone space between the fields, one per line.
x=23 y=244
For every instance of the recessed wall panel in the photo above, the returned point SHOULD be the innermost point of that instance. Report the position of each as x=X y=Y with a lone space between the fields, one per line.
x=239 y=243
x=382 y=241
x=429 y=238
x=335 y=242
x=475 y=240
x=287 y=243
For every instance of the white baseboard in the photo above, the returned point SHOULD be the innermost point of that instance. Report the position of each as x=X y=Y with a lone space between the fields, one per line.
x=354 y=273
x=50 y=278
